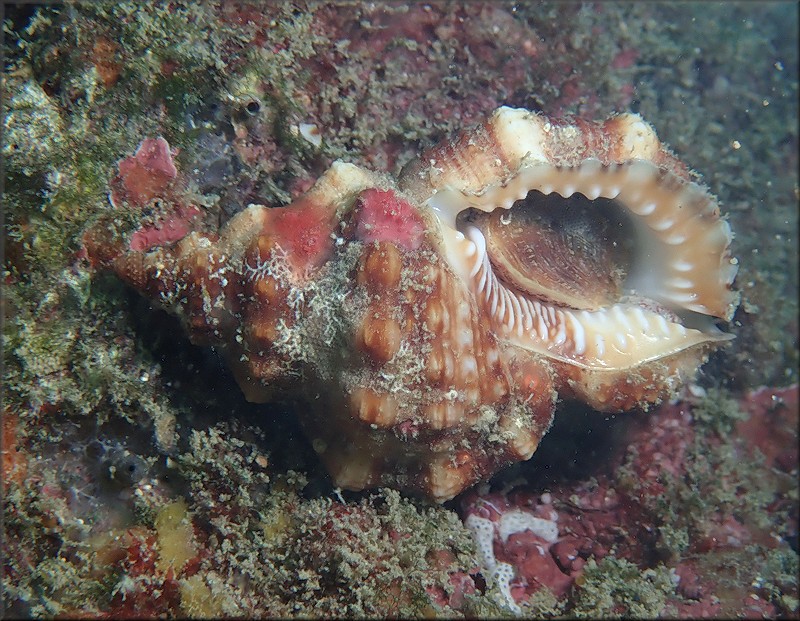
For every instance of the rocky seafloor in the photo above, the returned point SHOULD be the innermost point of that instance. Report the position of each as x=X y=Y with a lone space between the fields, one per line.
x=138 y=481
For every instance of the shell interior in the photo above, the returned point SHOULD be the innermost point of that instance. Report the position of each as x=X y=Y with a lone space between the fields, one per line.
x=605 y=266
x=570 y=252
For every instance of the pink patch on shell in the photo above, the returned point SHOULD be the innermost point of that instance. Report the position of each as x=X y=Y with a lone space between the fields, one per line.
x=303 y=229
x=382 y=216
x=168 y=231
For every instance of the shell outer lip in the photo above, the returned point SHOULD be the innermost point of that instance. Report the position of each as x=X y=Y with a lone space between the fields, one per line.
x=449 y=199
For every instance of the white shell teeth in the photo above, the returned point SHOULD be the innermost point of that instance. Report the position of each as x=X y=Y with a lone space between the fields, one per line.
x=680 y=283
x=640 y=171
x=619 y=332
x=675 y=240
x=683 y=298
x=599 y=345
x=644 y=209
x=561 y=336
x=478 y=248
x=593 y=192
x=621 y=318
x=591 y=165
x=727 y=230
x=641 y=318
x=728 y=271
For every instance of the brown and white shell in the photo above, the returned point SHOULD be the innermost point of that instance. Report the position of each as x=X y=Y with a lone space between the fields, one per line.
x=650 y=317
x=425 y=327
